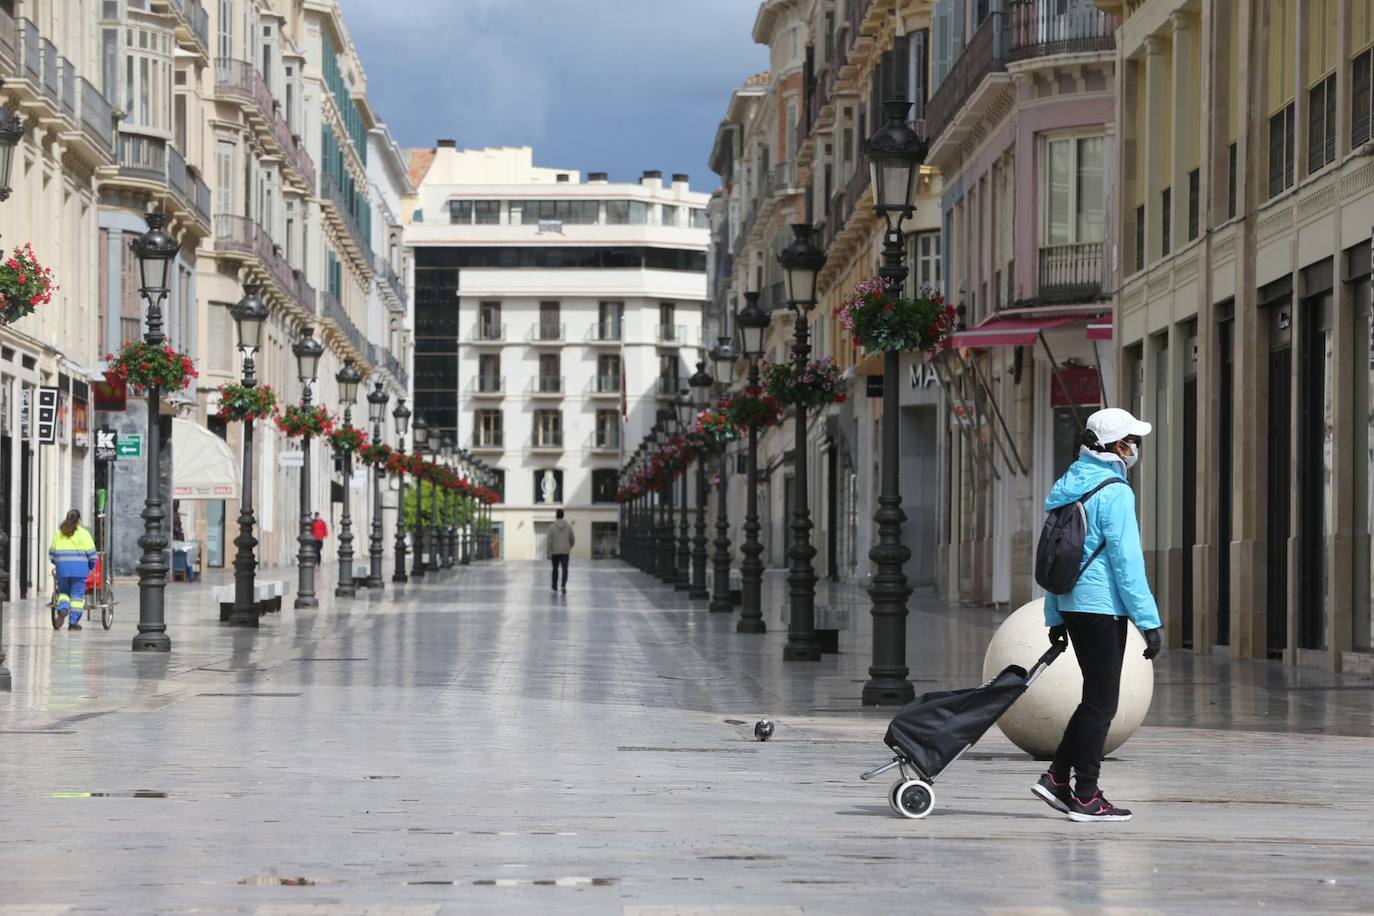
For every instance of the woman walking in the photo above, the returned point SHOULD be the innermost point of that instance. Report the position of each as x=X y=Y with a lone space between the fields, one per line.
x=1111 y=589
x=73 y=556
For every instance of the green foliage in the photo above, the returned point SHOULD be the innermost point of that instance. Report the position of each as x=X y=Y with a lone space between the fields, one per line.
x=447 y=502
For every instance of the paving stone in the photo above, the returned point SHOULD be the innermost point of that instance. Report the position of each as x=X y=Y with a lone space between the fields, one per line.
x=477 y=744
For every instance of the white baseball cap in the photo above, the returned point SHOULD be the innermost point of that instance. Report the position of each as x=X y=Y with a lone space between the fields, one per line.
x=1112 y=424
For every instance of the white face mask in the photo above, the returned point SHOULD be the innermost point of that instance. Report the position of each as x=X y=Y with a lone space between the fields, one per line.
x=1133 y=457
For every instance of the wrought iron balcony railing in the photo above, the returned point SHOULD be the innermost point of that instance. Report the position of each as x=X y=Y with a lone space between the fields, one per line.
x=1071 y=272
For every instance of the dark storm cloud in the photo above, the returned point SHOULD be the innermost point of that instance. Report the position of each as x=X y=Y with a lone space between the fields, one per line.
x=595 y=85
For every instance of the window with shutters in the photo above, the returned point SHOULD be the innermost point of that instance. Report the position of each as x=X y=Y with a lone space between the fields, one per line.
x=221 y=339
x=1361 y=96
x=1140 y=237
x=1166 y=215
x=1281 y=142
x=1321 y=124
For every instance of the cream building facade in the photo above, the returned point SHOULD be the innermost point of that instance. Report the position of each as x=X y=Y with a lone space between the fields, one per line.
x=1246 y=207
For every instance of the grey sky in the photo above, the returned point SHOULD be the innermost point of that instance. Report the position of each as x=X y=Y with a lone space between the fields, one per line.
x=594 y=85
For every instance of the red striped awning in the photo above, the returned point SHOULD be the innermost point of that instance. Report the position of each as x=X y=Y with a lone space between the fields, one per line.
x=1099 y=330
x=1011 y=332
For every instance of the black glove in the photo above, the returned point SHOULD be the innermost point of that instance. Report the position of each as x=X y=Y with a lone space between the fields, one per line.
x=1059 y=634
x=1153 y=642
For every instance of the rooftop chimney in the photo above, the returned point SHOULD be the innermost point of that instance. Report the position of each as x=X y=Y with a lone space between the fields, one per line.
x=562 y=178
x=448 y=144
x=679 y=178
x=596 y=177
x=652 y=178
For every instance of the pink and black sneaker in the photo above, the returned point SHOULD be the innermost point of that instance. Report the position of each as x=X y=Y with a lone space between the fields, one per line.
x=1054 y=793
x=1095 y=808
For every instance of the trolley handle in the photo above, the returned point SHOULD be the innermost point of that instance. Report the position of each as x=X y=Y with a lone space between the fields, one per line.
x=1055 y=650
x=879 y=770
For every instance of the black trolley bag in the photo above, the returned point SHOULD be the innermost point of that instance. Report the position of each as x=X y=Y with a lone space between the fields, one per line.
x=933 y=731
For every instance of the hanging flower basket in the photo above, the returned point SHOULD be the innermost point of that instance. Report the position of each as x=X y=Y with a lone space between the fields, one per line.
x=347 y=439
x=398 y=463
x=879 y=320
x=751 y=407
x=817 y=384
x=240 y=404
x=24 y=285
x=141 y=365
x=714 y=432
x=297 y=421
x=375 y=455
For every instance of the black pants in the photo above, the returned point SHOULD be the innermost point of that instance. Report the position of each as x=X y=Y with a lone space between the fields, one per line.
x=1099 y=642
x=559 y=560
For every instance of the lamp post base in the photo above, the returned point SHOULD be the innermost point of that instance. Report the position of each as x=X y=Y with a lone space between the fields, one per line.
x=152 y=642
x=699 y=594
x=801 y=652
x=750 y=625
x=6 y=682
x=888 y=691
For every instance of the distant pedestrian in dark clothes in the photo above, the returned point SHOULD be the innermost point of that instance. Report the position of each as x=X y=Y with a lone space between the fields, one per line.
x=561 y=541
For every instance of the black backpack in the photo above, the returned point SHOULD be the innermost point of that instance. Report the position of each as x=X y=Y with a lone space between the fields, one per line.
x=1060 y=549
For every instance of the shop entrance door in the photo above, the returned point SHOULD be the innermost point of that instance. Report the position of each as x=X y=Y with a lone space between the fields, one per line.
x=1279 y=490
x=1189 y=495
x=1315 y=423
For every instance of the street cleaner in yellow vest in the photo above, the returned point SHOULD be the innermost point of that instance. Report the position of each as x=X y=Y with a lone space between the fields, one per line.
x=73 y=557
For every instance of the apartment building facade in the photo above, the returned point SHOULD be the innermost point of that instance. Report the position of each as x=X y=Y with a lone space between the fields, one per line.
x=246 y=123
x=554 y=316
x=1246 y=186
x=1021 y=125
x=790 y=149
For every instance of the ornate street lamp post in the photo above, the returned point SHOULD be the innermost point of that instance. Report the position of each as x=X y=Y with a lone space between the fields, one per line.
x=801 y=264
x=308 y=351
x=667 y=550
x=417 y=562
x=11 y=132
x=753 y=323
x=155 y=250
x=400 y=415
x=682 y=566
x=250 y=314
x=348 y=379
x=376 y=412
x=465 y=501
x=700 y=383
x=723 y=358
x=895 y=154
x=446 y=449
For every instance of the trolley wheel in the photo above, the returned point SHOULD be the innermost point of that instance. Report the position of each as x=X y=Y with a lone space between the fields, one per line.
x=913 y=798
x=59 y=616
x=107 y=612
x=892 y=795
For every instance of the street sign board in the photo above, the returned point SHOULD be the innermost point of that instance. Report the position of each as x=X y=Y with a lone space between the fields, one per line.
x=106 y=444
x=47 y=415
x=129 y=447
x=292 y=459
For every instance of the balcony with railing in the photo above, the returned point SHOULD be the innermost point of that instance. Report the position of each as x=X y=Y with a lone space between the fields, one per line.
x=488 y=332
x=605 y=386
x=66 y=80
x=490 y=386
x=605 y=439
x=546 y=439
x=241 y=238
x=390 y=282
x=671 y=335
x=1071 y=273
x=605 y=332
x=338 y=203
x=52 y=93
x=985 y=53
x=394 y=366
x=333 y=311
x=669 y=387
x=155 y=160
x=239 y=79
x=545 y=386
x=193 y=24
x=1046 y=28
x=547 y=332
x=487 y=440
x=97 y=117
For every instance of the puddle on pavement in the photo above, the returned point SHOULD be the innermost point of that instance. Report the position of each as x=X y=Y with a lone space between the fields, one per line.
x=137 y=793
x=757 y=857
x=381 y=777
x=277 y=881
x=575 y=881
x=689 y=750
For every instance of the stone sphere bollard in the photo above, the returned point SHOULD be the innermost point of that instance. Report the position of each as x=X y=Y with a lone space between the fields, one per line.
x=1036 y=722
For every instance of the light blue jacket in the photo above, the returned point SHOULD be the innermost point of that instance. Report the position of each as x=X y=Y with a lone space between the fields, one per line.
x=1115 y=582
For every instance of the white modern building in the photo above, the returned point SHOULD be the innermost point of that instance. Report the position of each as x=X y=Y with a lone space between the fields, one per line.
x=554 y=316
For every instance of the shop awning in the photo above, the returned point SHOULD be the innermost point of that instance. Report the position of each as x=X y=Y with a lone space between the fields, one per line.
x=1011 y=332
x=1099 y=330
x=203 y=467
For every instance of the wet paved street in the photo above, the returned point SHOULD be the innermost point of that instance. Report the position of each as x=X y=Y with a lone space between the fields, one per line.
x=477 y=744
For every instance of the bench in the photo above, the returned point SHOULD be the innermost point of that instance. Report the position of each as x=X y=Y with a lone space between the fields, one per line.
x=829 y=622
x=267 y=597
